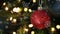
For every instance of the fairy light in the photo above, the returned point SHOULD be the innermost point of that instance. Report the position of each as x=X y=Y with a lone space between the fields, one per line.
x=19 y=0
x=17 y=9
x=4 y=3
x=14 y=32
x=14 y=20
x=6 y=8
x=30 y=10
x=34 y=1
x=11 y=18
x=32 y=32
x=52 y=29
x=58 y=26
x=26 y=30
x=30 y=25
x=25 y=9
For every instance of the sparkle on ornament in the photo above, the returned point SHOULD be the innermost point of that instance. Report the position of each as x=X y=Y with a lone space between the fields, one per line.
x=52 y=29
x=58 y=26
x=25 y=9
x=32 y=32
x=14 y=32
x=6 y=8
x=14 y=20
x=34 y=1
x=11 y=11
x=17 y=9
x=4 y=3
x=26 y=30
x=30 y=25
x=30 y=10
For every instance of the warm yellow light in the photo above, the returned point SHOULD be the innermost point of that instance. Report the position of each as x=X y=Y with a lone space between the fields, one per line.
x=17 y=9
x=34 y=1
x=19 y=0
x=52 y=29
x=32 y=32
x=26 y=30
x=25 y=9
x=30 y=25
x=6 y=8
x=14 y=20
x=4 y=3
x=58 y=26
x=14 y=32
x=11 y=12
x=30 y=10
x=11 y=18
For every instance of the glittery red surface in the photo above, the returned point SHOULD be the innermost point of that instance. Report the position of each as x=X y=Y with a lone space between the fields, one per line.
x=40 y=19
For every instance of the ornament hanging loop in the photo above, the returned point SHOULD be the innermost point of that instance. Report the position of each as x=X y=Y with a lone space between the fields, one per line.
x=40 y=5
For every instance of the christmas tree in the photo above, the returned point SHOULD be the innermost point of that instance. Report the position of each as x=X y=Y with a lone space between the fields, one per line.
x=29 y=16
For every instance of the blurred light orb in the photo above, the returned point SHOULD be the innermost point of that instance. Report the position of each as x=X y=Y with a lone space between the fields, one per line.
x=30 y=25
x=58 y=26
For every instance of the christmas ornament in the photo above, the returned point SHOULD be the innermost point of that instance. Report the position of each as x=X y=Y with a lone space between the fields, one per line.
x=54 y=8
x=40 y=19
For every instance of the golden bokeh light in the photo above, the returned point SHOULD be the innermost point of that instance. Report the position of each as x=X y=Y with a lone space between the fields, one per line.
x=11 y=18
x=25 y=9
x=34 y=1
x=52 y=29
x=4 y=3
x=30 y=25
x=58 y=26
x=14 y=20
x=32 y=32
x=26 y=30
x=17 y=9
x=14 y=33
x=30 y=10
x=6 y=8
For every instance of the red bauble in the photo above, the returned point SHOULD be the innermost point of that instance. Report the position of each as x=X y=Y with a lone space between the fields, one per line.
x=40 y=19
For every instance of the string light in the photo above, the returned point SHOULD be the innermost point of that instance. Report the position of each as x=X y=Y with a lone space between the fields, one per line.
x=11 y=18
x=58 y=26
x=26 y=30
x=19 y=0
x=6 y=8
x=30 y=10
x=25 y=9
x=32 y=32
x=30 y=25
x=14 y=20
x=14 y=32
x=4 y=3
x=34 y=1
x=52 y=29
x=17 y=9
x=11 y=12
